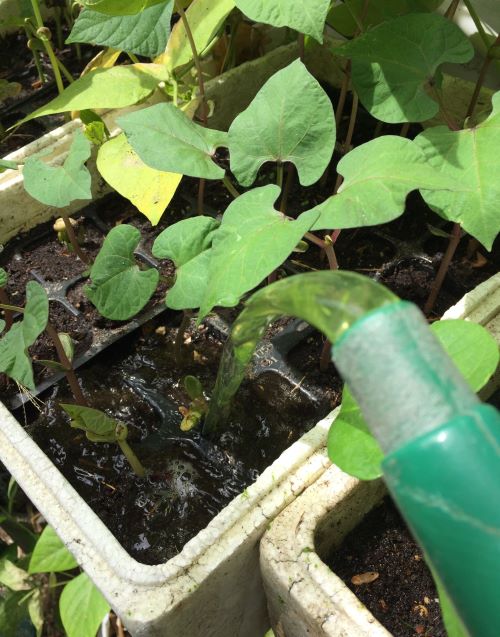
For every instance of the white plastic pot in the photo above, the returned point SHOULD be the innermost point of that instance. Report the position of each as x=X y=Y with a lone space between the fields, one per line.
x=304 y=596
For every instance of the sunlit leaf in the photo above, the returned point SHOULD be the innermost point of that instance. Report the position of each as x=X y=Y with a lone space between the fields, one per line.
x=378 y=176
x=119 y=287
x=120 y=7
x=471 y=157
x=82 y=607
x=166 y=139
x=50 y=554
x=144 y=33
x=14 y=359
x=305 y=16
x=60 y=185
x=290 y=119
x=148 y=189
x=393 y=63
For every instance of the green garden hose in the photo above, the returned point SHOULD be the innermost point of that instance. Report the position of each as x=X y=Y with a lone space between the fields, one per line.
x=443 y=452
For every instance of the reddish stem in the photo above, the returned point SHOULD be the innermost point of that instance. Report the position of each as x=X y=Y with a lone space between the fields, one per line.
x=68 y=366
x=455 y=237
x=74 y=241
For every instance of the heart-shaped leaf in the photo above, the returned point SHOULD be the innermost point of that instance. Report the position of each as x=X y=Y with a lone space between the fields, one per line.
x=60 y=185
x=305 y=16
x=119 y=288
x=378 y=177
x=116 y=87
x=393 y=64
x=470 y=157
x=120 y=7
x=82 y=607
x=148 y=189
x=166 y=139
x=352 y=447
x=145 y=33
x=14 y=359
x=252 y=240
x=290 y=119
x=50 y=554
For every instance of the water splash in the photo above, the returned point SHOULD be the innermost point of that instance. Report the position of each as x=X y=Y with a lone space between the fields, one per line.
x=329 y=301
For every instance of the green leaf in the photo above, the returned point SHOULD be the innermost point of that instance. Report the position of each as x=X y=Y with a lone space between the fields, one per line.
x=470 y=157
x=119 y=288
x=3 y=278
x=307 y=17
x=116 y=87
x=166 y=139
x=350 y=443
x=14 y=619
x=35 y=611
x=472 y=348
x=145 y=33
x=205 y=18
x=13 y=577
x=50 y=554
x=60 y=185
x=14 y=359
x=340 y=17
x=290 y=119
x=378 y=176
x=92 y=421
x=193 y=387
x=120 y=7
x=186 y=239
x=150 y=190
x=252 y=240
x=82 y=607
x=393 y=63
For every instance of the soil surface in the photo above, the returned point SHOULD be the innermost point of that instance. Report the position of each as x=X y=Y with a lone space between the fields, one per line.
x=403 y=597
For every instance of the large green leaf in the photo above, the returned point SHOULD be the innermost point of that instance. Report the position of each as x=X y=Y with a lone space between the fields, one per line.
x=185 y=240
x=378 y=177
x=165 y=138
x=50 y=554
x=150 y=190
x=205 y=18
x=306 y=16
x=393 y=63
x=471 y=157
x=120 y=7
x=60 y=185
x=145 y=33
x=116 y=87
x=350 y=443
x=252 y=241
x=82 y=607
x=119 y=288
x=14 y=359
x=341 y=16
x=290 y=119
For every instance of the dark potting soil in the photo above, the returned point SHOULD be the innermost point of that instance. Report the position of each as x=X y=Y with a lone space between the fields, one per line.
x=403 y=597
x=190 y=478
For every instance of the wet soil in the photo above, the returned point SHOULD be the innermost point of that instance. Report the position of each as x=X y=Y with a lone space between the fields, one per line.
x=403 y=597
x=190 y=478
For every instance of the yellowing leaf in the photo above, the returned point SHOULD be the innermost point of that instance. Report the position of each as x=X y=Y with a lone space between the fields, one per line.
x=150 y=190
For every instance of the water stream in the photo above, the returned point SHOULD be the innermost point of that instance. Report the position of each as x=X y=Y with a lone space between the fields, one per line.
x=329 y=301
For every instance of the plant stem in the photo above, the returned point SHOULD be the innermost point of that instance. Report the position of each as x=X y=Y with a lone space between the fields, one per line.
x=325 y=356
x=279 y=175
x=8 y=314
x=229 y=186
x=302 y=47
x=134 y=59
x=37 y=13
x=65 y=72
x=68 y=366
x=288 y=185
x=179 y=337
x=446 y=116
x=343 y=93
x=48 y=46
x=480 y=80
x=348 y=139
x=201 y=85
x=11 y=308
x=455 y=237
x=452 y=9
x=74 y=241
x=477 y=21
x=132 y=458
x=404 y=129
